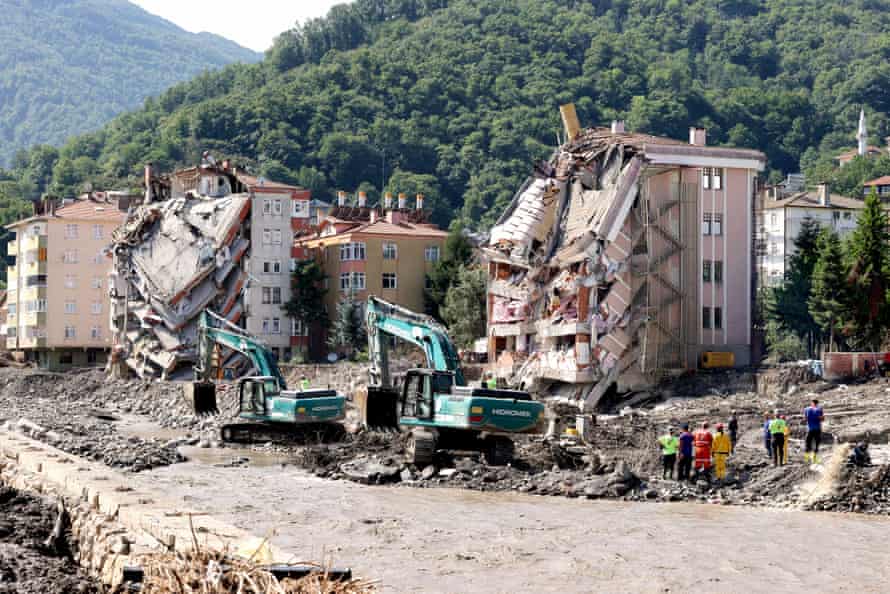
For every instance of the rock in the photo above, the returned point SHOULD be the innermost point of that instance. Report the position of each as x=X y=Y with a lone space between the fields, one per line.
x=651 y=494
x=428 y=473
x=204 y=443
x=369 y=472
x=447 y=472
x=406 y=475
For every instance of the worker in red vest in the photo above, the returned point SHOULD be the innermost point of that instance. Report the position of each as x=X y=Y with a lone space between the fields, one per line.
x=702 y=441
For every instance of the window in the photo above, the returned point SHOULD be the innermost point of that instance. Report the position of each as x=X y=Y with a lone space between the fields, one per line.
x=848 y=216
x=276 y=325
x=276 y=236
x=293 y=264
x=267 y=207
x=706 y=224
x=276 y=208
x=390 y=251
x=95 y=333
x=10 y=310
x=98 y=232
x=92 y=356
x=718 y=271
x=276 y=295
x=97 y=282
x=706 y=317
x=774 y=248
x=706 y=178
x=718 y=318
x=297 y=328
x=358 y=281
x=266 y=325
x=717 y=179
x=70 y=281
x=36 y=306
x=706 y=271
x=70 y=307
x=97 y=308
x=70 y=257
x=389 y=280
x=267 y=236
x=267 y=295
x=717 y=224
x=70 y=231
x=300 y=209
x=352 y=251
x=344 y=281
x=276 y=267
x=835 y=216
x=70 y=332
x=773 y=219
x=431 y=253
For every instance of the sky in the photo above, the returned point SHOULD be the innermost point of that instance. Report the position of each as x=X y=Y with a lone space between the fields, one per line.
x=253 y=24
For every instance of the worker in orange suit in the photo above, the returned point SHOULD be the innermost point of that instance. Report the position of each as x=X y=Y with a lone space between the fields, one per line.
x=722 y=447
x=702 y=440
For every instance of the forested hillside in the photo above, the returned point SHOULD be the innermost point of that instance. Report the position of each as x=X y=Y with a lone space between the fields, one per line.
x=70 y=66
x=456 y=97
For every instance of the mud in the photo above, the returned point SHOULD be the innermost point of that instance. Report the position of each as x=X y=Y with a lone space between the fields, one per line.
x=27 y=564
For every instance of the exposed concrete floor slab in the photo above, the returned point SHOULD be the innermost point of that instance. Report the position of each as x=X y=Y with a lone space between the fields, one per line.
x=442 y=540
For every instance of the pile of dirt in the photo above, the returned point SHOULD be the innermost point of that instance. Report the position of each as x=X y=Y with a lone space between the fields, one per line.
x=28 y=565
x=865 y=490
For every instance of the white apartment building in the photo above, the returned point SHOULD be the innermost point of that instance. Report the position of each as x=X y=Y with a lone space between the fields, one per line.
x=779 y=222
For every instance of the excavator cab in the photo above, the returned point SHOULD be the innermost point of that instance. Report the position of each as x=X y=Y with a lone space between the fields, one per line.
x=253 y=392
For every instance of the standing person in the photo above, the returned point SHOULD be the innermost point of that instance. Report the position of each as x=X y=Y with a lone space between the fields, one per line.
x=733 y=431
x=777 y=430
x=722 y=447
x=814 y=417
x=703 y=440
x=492 y=382
x=685 y=464
x=669 y=444
x=787 y=440
x=767 y=436
x=304 y=383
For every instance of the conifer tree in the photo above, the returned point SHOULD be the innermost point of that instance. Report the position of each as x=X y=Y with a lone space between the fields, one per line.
x=869 y=276
x=829 y=299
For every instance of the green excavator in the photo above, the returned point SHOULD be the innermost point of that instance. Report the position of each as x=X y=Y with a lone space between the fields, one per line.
x=435 y=403
x=264 y=400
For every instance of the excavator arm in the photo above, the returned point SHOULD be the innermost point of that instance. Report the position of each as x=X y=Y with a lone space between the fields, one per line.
x=387 y=319
x=213 y=329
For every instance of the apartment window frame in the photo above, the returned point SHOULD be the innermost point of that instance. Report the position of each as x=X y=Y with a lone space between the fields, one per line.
x=276 y=295
x=706 y=223
x=70 y=307
x=717 y=271
x=718 y=318
x=297 y=328
x=96 y=333
x=345 y=281
x=71 y=231
x=276 y=207
x=70 y=256
x=266 y=296
x=355 y=284
x=706 y=178
x=266 y=325
x=267 y=207
x=717 y=224
x=98 y=232
x=300 y=209
x=355 y=251
x=267 y=237
x=706 y=317
x=70 y=281
x=706 y=274
x=276 y=325
x=276 y=236
x=432 y=253
x=389 y=280
x=97 y=282
x=717 y=176
x=390 y=251
x=96 y=308
x=70 y=332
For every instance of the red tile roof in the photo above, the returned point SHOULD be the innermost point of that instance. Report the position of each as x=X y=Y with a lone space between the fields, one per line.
x=252 y=181
x=881 y=181
x=90 y=209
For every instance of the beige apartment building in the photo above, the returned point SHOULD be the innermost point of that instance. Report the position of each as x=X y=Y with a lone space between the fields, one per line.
x=57 y=299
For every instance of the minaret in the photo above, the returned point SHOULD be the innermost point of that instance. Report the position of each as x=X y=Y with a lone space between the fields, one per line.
x=862 y=134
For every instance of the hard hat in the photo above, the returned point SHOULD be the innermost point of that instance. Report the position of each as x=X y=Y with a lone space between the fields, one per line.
x=719 y=426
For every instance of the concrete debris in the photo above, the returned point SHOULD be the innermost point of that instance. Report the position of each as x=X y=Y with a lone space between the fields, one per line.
x=173 y=259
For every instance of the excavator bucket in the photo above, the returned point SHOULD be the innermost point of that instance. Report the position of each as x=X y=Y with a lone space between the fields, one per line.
x=201 y=397
x=378 y=408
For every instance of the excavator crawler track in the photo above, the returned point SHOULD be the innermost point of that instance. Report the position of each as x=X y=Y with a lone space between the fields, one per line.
x=247 y=433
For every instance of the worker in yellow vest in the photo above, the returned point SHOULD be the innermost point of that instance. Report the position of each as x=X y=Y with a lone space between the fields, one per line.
x=492 y=382
x=669 y=443
x=304 y=383
x=721 y=447
x=787 y=438
x=777 y=432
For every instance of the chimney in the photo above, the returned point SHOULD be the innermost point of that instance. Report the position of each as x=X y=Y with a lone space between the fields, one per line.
x=420 y=202
x=362 y=199
x=373 y=215
x=387 y=201
x=617 y=126
x=226 y=164
x=824 y=195
x=341 y=198
x=403 y=200
x=148 y=192
x=698 y=136
x=570 y=122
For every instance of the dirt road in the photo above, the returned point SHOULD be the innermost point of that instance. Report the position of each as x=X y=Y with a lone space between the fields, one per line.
x=445 y=540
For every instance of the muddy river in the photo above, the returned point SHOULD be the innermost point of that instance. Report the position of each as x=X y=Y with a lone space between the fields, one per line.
x=442 y=540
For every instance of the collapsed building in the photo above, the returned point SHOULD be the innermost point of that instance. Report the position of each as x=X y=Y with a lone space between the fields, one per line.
x=622 y=260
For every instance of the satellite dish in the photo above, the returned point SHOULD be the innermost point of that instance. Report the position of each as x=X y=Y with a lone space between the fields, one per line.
x=332 y=357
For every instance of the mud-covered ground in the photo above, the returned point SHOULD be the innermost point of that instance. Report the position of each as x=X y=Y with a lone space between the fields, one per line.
x=27 y=564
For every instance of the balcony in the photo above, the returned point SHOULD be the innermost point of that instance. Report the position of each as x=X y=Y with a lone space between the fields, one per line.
x=12 y=248
x=34 y=242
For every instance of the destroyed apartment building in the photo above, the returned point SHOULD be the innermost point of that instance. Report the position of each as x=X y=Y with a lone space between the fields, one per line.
x=621 y=261
x=193 y=244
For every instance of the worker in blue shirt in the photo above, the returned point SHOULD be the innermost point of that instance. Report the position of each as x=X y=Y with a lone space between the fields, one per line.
x=684 y=462
x=767 y=436
x=814 y=417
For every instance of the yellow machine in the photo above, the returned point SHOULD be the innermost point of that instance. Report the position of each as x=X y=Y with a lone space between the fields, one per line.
x=717 y=359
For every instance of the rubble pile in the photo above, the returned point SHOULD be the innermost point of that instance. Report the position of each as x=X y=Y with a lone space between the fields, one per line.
x=173 y=259
x=574 y=254
x=31 y=562
x=865 y=490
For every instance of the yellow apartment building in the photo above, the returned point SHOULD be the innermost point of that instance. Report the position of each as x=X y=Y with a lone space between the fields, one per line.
x=57 y=294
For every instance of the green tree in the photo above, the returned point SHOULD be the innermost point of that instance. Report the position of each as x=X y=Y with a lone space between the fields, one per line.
x=462 y=310
x=788 y=307
x=868 y=258
x=457 y=253
x=829 y=301
x=347 y=331
x=306 y=304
